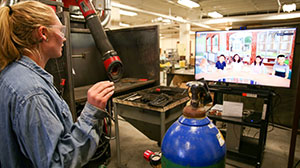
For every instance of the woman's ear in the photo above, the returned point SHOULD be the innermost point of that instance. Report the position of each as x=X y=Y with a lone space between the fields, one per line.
x=43 y=33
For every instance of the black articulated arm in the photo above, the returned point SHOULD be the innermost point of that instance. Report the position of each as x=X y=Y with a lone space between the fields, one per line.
x=112 y=62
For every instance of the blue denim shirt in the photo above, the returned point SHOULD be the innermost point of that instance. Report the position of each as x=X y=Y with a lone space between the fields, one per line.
x=36 y=126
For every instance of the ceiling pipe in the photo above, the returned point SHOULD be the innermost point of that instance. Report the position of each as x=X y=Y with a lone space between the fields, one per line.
x=181 y=20
x=105 y=18
x=270 y=25
x=279 y=6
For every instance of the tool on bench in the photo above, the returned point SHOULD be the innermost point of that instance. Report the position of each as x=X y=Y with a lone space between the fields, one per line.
x=133 y=97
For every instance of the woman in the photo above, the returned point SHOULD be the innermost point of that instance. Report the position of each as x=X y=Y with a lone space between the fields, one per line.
x=36 y=126
x=236 y=63
x=258 y=66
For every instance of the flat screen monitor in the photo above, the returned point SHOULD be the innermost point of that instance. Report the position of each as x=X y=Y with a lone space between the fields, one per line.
x=254 y=57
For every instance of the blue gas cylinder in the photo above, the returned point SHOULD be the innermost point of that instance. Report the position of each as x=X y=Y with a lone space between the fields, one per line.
x=193 y=143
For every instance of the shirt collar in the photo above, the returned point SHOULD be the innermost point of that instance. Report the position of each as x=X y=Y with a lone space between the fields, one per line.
x=28 y=62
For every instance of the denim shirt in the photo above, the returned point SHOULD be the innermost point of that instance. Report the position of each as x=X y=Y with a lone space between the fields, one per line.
x=36 y=126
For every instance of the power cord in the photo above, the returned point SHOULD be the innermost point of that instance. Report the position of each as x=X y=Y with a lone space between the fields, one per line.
x=255 y=134
x=110 y=119
x=297 y=164
x=276 y=102
x=103 y=151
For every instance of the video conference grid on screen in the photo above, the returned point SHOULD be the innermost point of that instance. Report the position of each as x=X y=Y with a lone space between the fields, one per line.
x=256 y=56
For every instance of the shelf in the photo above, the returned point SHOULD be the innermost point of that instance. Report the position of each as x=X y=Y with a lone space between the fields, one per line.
x=248 y=150
x=234 y=120
x=235 y=90
x=249 y=146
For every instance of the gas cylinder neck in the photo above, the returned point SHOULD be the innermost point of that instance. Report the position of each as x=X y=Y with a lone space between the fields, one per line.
x=199 y=94
x=191 y=112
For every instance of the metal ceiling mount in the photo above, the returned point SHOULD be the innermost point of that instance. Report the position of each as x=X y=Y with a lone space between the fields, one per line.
x=103 y=8
x=105 y=11
x=279 y=6
x=7 y=2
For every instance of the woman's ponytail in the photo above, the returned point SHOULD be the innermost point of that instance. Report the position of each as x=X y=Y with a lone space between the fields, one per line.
x=8 y=50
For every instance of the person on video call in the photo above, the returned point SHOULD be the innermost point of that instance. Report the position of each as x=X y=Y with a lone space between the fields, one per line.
x=36 y=125
x=280 y=68
x=258 y=66
x=236 y=63
x=221 y=63
x=203 y=66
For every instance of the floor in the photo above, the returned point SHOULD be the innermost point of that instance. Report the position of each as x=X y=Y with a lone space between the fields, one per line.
x=133 y=144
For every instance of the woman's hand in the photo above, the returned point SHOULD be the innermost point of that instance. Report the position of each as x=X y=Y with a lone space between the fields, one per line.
x=99 y=93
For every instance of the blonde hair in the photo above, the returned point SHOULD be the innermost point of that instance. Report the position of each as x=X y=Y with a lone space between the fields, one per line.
x=17 y=28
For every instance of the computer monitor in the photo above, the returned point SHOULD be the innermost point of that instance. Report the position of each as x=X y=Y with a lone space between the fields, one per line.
x=254 y=57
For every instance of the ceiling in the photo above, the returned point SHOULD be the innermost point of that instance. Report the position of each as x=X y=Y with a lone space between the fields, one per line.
x=236 y=14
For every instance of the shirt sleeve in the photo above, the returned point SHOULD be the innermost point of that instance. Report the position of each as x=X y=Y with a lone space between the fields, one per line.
x=287 y=69
x=44 y=139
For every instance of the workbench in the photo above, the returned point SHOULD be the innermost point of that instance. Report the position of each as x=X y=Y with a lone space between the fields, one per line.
x=126 y=84
x=187 y=73
x=151 y=121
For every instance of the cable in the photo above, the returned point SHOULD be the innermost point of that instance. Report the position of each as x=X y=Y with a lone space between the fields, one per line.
x=297 y=163
x=230 y=164
x=249 y=131
x=101 y=148
x=58 y=69
x=108 y=136
x=101 y=154
x=61 y=88
x=276 y=102
x=110 y=119
x=255 y=134
x=282 y=127
x=272 y=128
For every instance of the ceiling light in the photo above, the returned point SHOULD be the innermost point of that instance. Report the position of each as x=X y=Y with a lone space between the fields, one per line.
x=188 y=3
x=159 y=19
x=127 y=13
x=289 y=7
x=124 y=24
x=215 y=14
x=228 y=28
x=166 y=21
x=192 y=32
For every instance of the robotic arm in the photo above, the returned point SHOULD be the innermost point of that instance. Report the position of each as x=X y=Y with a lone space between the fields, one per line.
x=112 y=62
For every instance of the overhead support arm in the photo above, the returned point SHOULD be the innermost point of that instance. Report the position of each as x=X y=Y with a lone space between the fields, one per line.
x=112 y=62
